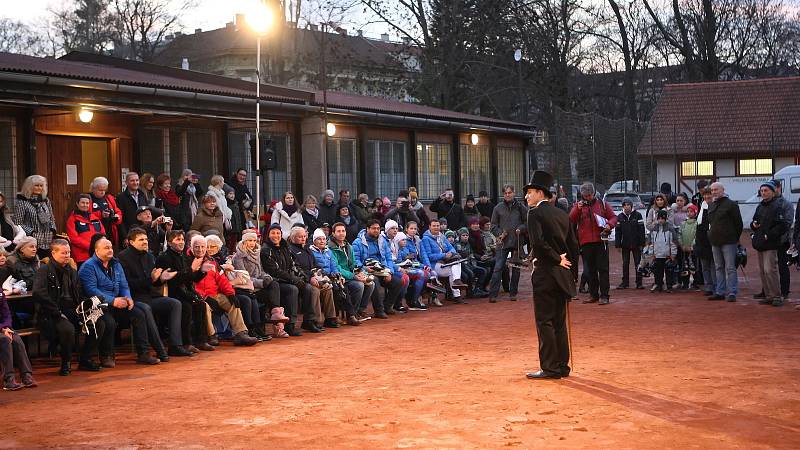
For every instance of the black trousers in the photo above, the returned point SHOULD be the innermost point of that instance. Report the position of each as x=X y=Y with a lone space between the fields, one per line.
x=289 y=295
x=61 y=331
x=659 y=269
x=550 y=311
x=143 y=326
x=783 y=268
x=626 y=261
x=387 y=294
x=596 y=257
x=193 y=322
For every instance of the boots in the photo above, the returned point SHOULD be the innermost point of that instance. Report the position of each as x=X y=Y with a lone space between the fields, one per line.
x=277 y=315
x=436 y=301
x=278 y=331
x=66 y=368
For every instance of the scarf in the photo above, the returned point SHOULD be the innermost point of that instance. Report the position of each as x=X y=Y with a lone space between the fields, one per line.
x=169 y=197
x=290 y=209
x=477 y=240
x=252 y=255
x=313 y=212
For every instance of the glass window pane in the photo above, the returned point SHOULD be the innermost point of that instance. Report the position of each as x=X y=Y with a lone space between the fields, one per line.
x=342 y=165
x=151 y=150
x=8 y=160
x=704 y=169
x=386 y=168
x=764 y=166
x=511 y=168
x=434 y=170
x=474 y=169
x=747 y=166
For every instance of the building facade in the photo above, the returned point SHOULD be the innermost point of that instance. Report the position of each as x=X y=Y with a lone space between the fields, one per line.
x=149 y=118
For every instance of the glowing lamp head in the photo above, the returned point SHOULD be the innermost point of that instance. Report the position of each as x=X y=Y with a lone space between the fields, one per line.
x=330 y=129
x=85 y=115
x=259 y=17
x=474 y=139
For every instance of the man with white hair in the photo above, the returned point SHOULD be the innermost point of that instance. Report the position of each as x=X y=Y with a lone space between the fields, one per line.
x=724 y=229
x=105 y=206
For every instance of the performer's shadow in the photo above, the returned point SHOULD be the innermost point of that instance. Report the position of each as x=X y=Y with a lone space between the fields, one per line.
x=708 y=416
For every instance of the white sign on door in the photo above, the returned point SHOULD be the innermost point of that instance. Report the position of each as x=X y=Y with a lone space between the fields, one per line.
x=72 y=174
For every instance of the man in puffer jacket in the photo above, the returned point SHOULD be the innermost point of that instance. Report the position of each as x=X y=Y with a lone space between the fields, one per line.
x=769 y=226
x=587 y=214
x=388 y=288
x=663 y=240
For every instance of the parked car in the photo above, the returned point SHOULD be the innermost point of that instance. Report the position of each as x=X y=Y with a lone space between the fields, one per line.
x=614 y=199
x=625 y=186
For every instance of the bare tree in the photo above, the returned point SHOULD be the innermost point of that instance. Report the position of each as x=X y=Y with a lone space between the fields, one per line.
x=84 y=25
x=17 y=37
x=144 y=24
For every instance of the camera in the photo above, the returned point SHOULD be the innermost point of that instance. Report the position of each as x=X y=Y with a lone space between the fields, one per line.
x=793 y=257
x=586 y=202
x=167 y=219
x=405 y=204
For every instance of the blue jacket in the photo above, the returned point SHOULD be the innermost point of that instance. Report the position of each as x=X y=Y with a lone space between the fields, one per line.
x=435 y=248
x=413 y=247
x=324 y=259
x=95 y=280
x=365 y=248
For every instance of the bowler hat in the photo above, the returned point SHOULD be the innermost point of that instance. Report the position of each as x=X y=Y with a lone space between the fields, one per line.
x=542 y=181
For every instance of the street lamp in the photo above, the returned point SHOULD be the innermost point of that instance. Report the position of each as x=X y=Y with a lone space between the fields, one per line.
x=474 y=139
x=523 y=104
x=260 y=20
x=331 y=129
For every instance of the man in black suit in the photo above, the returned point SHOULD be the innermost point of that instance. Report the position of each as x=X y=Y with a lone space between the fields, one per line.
x=555 y=248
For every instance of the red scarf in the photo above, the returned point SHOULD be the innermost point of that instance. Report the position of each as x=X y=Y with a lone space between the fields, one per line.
x=169 y=197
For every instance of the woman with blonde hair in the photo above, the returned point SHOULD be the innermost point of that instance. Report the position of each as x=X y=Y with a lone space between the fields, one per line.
x=216 y=189
x=34 y=213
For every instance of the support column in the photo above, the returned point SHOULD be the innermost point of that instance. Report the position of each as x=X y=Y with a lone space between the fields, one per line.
x=314 y=170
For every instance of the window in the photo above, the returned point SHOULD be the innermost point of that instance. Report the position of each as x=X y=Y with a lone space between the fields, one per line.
x=276 y=181
x=794 y=187
x=171 y=150
x=755 y=166
x=8 y=160
x=510 y=168
x=474 y=169
x=434 y=170
x=386 y=173
x=704 y=169
x=342 y=165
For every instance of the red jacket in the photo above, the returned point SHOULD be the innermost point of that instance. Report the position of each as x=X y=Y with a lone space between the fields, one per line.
x=112 y=206
x=80 y=230
x=588 y=230
x=214 y=283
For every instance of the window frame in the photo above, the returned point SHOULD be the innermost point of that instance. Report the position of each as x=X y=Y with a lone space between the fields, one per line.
x=692 y=162
x=355 y=173
x=374 y=156
x=424 y=179
x=14 y=184
x=755 y=173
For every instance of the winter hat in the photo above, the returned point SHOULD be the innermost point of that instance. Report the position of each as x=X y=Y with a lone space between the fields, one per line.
x=463 y=230
x=442 y=221
x=399 y=237
x=694 y=208
x=470 y=197
x=627 y=200
x=390 y=224
x=227 y=189
x=769 y=184
x=661 y=214
x=483 y=194
x=318 y=233
x=326 y=192
x=587 y=189
x=249 y=235
x=450 y=233
x=275 y=226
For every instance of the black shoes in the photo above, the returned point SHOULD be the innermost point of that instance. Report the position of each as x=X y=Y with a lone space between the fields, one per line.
x=147 y=359
x=213 y=340
x=331 y=323
x=291 y=330
x=205 y=346
x=65 y=369
x=311 y=326
x=108 y=362
x=541 y=375
x=731 y=298
x=591 y=300
x=380 y=315
x=176 y=350
x=89 y=366
x=716 y=297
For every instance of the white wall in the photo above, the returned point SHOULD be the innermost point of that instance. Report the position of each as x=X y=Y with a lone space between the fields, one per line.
x=782 y=162
x=665 y=172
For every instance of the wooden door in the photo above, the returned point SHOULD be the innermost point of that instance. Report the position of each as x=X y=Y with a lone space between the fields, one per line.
x=64 y=175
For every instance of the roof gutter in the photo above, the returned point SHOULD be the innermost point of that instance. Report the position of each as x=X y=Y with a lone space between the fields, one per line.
x=248 y=101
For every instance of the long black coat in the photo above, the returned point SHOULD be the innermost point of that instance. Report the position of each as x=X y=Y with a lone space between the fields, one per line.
x=630 y=230
x=551 y=236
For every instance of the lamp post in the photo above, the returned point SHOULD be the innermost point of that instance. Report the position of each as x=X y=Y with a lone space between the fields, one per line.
x=260 y=20
x=523 y=104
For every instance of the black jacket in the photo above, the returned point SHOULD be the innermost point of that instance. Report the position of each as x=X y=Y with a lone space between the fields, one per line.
x=312 y=222
x=184 y=211
x=551 y=236
x=725 y=222
x=303 y=259
x=452 y=212
x=327 y=213
x=630 y=230
x=772 y=225
x=56 y=289
x=402 y=216
x=182 y=286
x=277 y=261
x=138 y=266
x=352 y=228
x=485 y=209
x=129 y=207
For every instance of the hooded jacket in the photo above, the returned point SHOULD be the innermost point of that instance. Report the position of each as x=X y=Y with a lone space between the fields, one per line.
x=630 y=230
x=365 y=247
x=663 y=240
x=434 y=248
x=772 y=225
x=344 y=258
x=80 y=229
x=324 y=259
x=286 y=221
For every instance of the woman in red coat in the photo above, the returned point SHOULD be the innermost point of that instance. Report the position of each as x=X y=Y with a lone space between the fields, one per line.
x=82 y=224
x=104 y=205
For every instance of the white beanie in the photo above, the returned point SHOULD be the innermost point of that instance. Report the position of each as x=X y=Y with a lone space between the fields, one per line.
x=390 y=224
x=400 y=237
x=318 y=233
x=248 y=235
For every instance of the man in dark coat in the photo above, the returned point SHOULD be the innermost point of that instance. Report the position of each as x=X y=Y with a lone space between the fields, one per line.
x=129 y=201
x=555 y=250
x=447 y=208
x=630 y=238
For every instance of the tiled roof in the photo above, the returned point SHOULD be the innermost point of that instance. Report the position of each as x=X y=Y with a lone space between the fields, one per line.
x=751 y=116
x=350 y=101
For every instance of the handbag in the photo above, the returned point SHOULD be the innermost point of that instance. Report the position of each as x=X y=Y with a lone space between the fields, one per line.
x=240 y=279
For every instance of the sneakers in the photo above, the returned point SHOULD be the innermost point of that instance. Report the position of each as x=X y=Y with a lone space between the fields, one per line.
x=655 y=288
x=436 y=301
x=604 y=301
x=278 y=331
x=400 y=309
x=363 y=316
x=28 y=381
x=10 y=384
x=243 y=339
x=417 y=307
x=479 y=293
x=777 y=301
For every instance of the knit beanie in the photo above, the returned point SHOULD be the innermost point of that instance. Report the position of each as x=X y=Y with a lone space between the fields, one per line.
x=318 y=233
x=390 y=224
